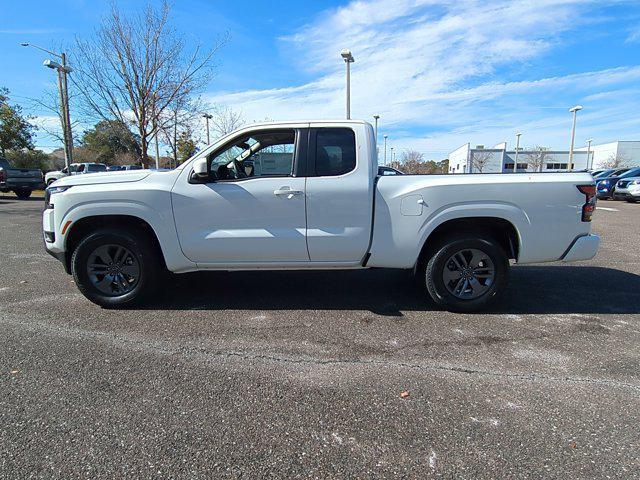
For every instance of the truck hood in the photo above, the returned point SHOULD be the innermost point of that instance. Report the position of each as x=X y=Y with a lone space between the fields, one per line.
x=102 y=178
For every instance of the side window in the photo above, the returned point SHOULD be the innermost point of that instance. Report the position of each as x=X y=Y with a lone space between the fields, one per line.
x=80 y=168
x=268 y=153
x=335 y=151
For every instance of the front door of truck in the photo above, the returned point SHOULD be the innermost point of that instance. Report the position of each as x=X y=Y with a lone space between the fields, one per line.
x=252 y=211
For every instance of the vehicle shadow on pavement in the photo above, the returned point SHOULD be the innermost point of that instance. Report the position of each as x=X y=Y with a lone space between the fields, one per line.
x=532 y=289
x=11 y=199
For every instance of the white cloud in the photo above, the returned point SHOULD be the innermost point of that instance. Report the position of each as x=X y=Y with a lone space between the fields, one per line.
x=430 y=69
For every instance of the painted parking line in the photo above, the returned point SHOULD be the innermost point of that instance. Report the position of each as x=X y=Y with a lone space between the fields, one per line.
x=608 y=209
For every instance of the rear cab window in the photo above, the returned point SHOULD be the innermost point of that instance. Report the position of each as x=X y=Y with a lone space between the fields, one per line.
x=335 y=151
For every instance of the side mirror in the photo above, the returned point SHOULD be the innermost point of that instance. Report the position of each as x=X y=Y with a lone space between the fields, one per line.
x=200 y=171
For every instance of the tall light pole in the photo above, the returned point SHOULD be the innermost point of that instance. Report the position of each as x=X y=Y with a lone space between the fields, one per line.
x=348 y=59
x=65 y=117
x=208 y=117
x=575 y=111
x=515 y=162
x=392 y=157
x=589 y=166
x=385 y=149
x=376 y=117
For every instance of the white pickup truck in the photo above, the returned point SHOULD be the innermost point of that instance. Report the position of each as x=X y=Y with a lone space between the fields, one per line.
x=307 y=195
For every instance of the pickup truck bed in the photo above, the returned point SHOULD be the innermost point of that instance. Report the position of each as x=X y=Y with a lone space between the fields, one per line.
x=307 y=195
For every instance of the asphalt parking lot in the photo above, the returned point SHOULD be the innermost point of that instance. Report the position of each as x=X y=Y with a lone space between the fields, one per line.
x=274 y=374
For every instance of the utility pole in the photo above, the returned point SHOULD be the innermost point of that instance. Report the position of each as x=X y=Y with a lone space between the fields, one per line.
x=515 y=162
x=385 y=150
x=348 y=59
x=392 y=157
x=575 y=111
x=65 y=117
x=157 y=152
x=208 y=117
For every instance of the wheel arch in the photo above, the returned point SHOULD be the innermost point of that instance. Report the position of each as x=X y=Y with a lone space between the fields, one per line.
x=501 y=229
x=83 y=226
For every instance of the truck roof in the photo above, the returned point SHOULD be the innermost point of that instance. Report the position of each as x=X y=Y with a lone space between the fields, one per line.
x=313 y=122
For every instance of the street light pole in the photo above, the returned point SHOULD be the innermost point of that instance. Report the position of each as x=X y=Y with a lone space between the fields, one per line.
x=65 y=117
x=348 y=59
x=589 y=165
x=575 y=111
x=392 y=157
x=376 y=117
x=515 y=162
x=385 y=150
x=208 y=117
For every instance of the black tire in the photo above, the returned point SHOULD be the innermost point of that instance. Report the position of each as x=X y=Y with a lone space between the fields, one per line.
x=432 y=272
x=22 y=193
x=143 y=250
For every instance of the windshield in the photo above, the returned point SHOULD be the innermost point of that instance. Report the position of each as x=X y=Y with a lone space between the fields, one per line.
x=96 y=167
x=604 y=173
x=634 y=172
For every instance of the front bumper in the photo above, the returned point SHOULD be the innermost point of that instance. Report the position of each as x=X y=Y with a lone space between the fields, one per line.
x=626 y=194
x=582 y=248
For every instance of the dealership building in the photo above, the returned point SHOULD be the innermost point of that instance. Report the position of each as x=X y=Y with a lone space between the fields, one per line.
x=498 y=159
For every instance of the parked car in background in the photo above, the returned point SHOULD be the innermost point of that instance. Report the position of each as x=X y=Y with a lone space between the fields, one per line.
x=606 y=186
x=389 y=171
x=74 y=169
x=606 y=173
x=117 y=233
x=627 y=189
x=21 y=181
x=120 y=168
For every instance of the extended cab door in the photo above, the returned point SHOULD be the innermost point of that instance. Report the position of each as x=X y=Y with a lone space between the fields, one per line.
x=252 y=211
x=339 y=193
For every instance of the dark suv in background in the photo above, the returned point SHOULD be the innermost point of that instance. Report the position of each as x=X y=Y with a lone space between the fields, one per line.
x=605 y=186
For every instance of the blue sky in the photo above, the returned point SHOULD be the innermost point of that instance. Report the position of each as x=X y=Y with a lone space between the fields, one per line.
x=440 y=73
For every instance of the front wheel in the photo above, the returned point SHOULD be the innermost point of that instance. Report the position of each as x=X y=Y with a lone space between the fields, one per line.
x=466 y=274
x=116 y=268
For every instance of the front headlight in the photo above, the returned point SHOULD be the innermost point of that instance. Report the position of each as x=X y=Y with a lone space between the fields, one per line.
x=52 y=191
x=603 y=183
x=634 y=182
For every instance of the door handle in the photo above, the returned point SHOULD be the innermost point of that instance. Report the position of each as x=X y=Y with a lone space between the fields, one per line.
x=286 y=191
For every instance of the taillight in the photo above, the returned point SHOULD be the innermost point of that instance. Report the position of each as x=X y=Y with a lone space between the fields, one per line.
x=589 y=206
x=3 y=176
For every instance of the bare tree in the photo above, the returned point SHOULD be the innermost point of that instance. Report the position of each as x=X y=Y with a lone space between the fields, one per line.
x=136 y=67
x=51 y=103
x=616 y=160
x=179 y=119
x=479 y=160
x=225 y=120
x=536 y=158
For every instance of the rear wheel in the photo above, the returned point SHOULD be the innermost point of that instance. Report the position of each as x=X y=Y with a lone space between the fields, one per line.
x=466 y=273
x=116 y=268
x=22 y=193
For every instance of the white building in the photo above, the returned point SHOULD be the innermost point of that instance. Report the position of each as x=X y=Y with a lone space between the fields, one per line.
x=499 y=160
x=627 y=152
